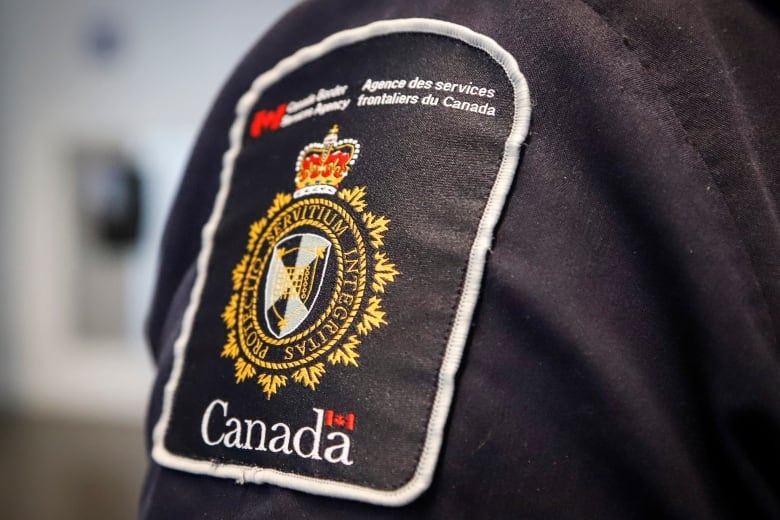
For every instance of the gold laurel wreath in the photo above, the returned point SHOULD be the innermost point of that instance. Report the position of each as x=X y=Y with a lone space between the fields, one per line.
x=373 y=316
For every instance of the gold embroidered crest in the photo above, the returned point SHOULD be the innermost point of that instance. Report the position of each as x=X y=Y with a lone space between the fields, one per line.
x=309 y=287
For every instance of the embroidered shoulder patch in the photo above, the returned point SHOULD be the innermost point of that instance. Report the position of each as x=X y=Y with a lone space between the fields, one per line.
x=342 y=263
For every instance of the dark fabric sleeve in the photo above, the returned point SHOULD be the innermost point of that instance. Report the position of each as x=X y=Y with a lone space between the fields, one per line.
x=623 y=360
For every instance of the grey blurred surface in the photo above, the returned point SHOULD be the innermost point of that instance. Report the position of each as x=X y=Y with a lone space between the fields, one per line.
x=61 y=469
x=99 y=77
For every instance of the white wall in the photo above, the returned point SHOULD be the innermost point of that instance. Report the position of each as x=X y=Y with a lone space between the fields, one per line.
x=147 y=100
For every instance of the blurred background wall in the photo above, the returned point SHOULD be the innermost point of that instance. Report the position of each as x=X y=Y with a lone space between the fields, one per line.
x=100 y=101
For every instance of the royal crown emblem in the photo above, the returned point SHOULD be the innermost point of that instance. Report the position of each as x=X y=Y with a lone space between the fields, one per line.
x=309 y=286
x=321 y=167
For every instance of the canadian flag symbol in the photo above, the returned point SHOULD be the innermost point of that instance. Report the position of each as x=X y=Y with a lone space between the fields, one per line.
x=340 y=420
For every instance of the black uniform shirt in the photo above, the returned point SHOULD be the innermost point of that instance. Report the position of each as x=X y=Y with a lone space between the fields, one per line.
x=621 y=357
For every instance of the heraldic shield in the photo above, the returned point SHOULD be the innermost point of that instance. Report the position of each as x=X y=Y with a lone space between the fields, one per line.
x=295 y=274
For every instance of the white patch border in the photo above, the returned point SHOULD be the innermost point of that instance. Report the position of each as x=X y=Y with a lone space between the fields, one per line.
x=423 y=475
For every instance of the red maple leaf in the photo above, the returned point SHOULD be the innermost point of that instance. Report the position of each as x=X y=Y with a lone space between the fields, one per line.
x=339 y=420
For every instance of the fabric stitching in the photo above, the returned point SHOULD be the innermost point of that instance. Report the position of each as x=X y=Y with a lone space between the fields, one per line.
x=470 y=289
x=688 y=143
